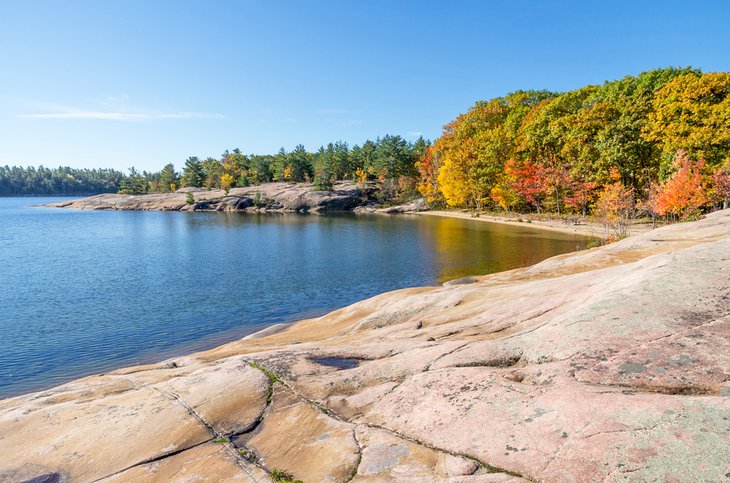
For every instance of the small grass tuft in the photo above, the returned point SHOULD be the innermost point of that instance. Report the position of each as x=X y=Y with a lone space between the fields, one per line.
x=281 y=476
x=221 y=440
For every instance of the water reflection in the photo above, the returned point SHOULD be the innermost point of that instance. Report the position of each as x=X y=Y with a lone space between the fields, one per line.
x=466 y=247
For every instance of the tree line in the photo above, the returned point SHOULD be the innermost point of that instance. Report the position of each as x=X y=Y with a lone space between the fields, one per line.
x=390 y=162
x=20 y=181
x=657 y=142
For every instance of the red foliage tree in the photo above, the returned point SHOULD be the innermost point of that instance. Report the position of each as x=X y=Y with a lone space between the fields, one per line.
x=582 y=193
x=428 y=169
x=685 y=192
x=527 y=179
x=556 y=181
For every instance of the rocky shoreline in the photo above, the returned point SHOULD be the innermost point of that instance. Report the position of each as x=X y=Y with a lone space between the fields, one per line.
x=302 y=198
x=269 y=197
x=607 y=364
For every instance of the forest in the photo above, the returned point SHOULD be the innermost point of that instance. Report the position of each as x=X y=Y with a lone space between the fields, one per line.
x=20 y=181
x=391 y=161
x=657 y=143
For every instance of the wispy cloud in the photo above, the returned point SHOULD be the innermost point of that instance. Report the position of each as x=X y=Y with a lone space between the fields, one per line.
x=415 y=134
x=120 y=116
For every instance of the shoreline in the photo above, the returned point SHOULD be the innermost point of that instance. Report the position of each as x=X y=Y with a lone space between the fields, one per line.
x=216 y=341
x=299 y=198
x=585 y=228
x=190 y=348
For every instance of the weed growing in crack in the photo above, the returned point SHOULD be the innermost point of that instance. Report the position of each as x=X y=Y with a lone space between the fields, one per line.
x=222 y=439
x=353 y=473
x=272 y=377
x=281 y=476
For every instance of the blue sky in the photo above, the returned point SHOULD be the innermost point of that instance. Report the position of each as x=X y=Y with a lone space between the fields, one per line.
x=143 y=83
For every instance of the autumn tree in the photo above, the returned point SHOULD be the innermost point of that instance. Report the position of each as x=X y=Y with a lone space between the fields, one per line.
x=721 y=185
x=527 y=180
x=610 y=126
x=428 y=169
x=692 y=112
x=682 y=195
x=474 y=148
x=226 y=182
x=582 y=194
x=503 y=194
x=614 y=207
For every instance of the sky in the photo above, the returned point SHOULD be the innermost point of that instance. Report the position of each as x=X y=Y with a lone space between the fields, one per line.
x=116 y=84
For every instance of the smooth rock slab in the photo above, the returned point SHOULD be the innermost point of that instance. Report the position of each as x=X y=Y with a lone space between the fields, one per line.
x=229 y=396
x=561 y=431
x=208 y=463
x=97 y=438
x=386 y=457
x=299 y=438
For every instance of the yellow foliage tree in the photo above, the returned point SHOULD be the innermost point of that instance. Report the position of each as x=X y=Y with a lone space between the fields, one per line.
x=692 y=112
x=226 y=182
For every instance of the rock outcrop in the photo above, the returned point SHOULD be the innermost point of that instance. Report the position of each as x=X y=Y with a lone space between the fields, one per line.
x=416 y=206
x=293 y=197
x=608 y=364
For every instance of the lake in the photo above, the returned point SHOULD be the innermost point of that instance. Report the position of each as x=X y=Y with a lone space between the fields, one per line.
x=85 y=292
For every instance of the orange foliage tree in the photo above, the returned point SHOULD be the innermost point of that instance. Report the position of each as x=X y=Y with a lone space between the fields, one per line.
x=683 y=194
x=428 y=169
x=614 y=208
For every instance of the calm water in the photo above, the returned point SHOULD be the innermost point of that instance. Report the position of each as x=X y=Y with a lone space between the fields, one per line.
x=84 y=292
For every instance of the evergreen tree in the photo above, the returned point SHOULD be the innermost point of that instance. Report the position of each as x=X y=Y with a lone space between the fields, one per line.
x=193 y=174
x=133 y=184
x=168 y=178
x=300 y=163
